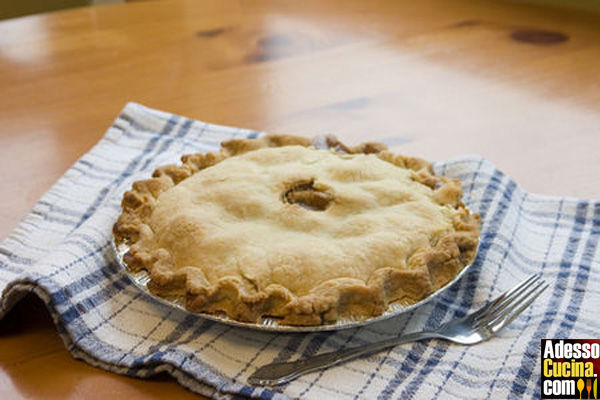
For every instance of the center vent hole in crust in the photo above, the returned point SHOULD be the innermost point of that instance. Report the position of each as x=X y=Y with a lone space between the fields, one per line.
x=306 y=195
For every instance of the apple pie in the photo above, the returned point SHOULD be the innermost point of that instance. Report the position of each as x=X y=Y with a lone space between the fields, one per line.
x=304 y=231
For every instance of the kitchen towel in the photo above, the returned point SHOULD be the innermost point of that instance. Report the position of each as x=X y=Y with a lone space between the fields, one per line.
x=61 y=252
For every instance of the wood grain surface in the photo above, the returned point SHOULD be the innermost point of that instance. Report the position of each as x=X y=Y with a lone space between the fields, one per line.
x=517 y=84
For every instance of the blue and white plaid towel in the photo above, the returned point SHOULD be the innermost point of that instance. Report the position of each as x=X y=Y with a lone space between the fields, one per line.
x=61 y=252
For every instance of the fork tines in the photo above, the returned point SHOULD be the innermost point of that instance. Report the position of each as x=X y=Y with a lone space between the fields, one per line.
x=501 y=311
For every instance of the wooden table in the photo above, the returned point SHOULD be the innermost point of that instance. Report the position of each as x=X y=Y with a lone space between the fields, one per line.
x=518 y=84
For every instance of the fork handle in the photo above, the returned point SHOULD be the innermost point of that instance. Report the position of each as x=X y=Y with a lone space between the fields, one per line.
x=278 y=373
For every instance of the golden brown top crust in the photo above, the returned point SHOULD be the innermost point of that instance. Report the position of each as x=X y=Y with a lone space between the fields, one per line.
x=305 y=231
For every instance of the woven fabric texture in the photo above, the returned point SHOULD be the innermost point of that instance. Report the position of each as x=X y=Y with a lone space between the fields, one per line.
x=61 y=252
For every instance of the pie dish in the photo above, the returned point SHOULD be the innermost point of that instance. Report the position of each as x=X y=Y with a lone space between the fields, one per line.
x=304 y=231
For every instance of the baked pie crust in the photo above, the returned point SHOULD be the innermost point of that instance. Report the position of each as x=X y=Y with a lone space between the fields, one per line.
x=305 y=231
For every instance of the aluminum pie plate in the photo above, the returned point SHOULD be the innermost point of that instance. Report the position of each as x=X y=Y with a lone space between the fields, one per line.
x=141 y=278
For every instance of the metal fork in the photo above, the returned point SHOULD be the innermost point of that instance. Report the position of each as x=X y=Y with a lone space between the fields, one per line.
x=470 y=329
